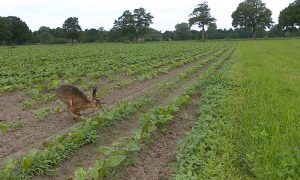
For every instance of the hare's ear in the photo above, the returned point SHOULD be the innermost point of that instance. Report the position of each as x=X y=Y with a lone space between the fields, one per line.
x=94 y=92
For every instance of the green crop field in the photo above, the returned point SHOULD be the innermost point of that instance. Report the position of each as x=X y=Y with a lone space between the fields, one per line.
x=181 y=110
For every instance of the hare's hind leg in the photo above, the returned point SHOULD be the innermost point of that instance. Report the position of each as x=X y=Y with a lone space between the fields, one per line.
x=77 y=112
x=72 y=110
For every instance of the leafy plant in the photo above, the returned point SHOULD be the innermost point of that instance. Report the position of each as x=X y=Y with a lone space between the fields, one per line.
x=42 y=113
x=11 y=127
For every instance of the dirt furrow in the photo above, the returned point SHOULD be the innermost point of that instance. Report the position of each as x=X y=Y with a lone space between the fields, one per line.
x=34 y=132
x=156 y=159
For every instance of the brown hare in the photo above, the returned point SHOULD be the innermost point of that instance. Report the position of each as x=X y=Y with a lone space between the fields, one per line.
x=76 y=100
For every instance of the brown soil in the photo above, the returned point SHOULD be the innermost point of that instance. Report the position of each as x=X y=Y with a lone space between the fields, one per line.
x=34 y=132
x=85 y=156
x=156 y=159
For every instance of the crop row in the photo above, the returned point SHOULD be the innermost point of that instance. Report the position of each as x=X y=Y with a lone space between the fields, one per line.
x=45 y=112
x=39 y=92
x=202 y=152
x=112 y=157
x=44 y=68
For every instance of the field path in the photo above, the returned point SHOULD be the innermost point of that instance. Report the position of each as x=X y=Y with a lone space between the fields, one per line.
x=34 y=132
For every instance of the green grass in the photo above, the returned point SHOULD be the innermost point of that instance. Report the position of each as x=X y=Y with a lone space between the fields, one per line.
x=269 y=72
x=249 y=123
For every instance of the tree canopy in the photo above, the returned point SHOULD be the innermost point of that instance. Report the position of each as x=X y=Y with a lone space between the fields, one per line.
x=289 y=18
x=72 y=27
x=14 y=30
x=182 y=31
x=134 y=25
x=5 y=33
x=202 y=17
x=125 y=24
x=252 y=15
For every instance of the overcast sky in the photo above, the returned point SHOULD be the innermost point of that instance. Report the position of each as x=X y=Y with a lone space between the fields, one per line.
x=102 y=13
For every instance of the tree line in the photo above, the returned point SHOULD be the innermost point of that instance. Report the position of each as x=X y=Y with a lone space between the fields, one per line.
x=250 y=19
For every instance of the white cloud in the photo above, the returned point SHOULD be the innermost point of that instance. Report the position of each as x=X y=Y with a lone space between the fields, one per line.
x=101 y=13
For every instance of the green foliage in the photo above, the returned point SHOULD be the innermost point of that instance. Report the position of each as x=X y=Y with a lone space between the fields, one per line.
x=134 y=25
x=42 y=113
x=37 y=162
x=201 y=16
x=13 y=30
x=113 y=157
x=269 y=114
x=64 y=145
x=289 y=18
x=206 y=151
x=182 y=31
x=248 y=127
x=80 y=174
x=252 y=15
x=72 y=27
x=39 y=72
x=142 y=21
x=27 y=104
x=5 y=32
x=4 y=127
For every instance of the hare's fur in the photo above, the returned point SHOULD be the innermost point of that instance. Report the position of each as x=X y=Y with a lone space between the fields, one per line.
x=76 y=100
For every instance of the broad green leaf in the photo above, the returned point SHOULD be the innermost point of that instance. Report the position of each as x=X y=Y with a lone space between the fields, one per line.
x=116 y=160
x=132 y=147
x=80 y=174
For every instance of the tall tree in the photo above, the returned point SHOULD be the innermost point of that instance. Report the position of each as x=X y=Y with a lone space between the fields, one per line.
x=5 y=33
x=252 y=15
x=142 y=21
x=289 y=18
x=44 y=29
x=202 y=17
x=212 y=28
x=18 y=30
x=134 y=25
x=125 y=24
x=72 y=27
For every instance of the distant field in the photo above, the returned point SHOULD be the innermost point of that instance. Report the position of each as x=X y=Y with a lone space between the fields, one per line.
x=182 y=110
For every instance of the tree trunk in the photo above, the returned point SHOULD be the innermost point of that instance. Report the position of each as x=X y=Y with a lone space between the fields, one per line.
x=72 y=41
x=254 y=35
x=203 y=38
